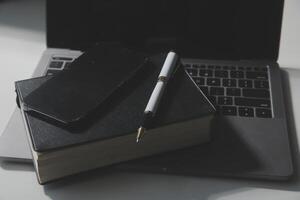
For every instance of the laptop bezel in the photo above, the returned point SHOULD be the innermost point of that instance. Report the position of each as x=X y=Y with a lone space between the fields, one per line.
x=253 y=42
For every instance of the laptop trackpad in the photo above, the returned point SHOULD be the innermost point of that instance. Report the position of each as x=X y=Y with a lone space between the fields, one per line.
x=238 y=149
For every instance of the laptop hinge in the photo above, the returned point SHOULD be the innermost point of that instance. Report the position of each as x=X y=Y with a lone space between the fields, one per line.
x=258 y=60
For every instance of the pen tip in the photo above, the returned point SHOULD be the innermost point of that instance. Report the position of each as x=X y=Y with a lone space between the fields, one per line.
x=140 y=134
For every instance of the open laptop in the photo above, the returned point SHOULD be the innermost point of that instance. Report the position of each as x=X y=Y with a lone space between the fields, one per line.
x=230 y=48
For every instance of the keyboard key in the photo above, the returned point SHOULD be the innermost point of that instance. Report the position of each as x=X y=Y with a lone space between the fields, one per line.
x=204 y=90
x=212 y=99
x=221 y=73
x=246 y=112
x=258 y=93
x=206 y=72
x=195 y=66
x=245 y=83
x=187 y=66
x=213 y=82
x=239 y=101
x=257 y=75
x=225 y=101
x=218 y=109
x=210 y=66
x=264 y=113
x=67 y=65
x=202 y=66
x=62 y=58
x=56 y=64
x=217 y=91
x=236 y=74
x=199 y=81
x=229 y=110
x=226 y=67
x=232 y=67
x=218 y=67
x=229 y=82
x=261 y=84
x=192 y=72
x=241 y=68
x=233 y=91
x=52 y=72
x=265 y=69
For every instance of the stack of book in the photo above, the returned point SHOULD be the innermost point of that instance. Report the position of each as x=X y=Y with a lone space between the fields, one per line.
x=87 y=117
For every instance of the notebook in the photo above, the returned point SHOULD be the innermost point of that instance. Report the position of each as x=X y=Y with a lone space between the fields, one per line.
x=110 y=137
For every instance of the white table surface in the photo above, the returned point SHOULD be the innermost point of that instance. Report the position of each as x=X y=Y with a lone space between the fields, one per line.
x=22 y=41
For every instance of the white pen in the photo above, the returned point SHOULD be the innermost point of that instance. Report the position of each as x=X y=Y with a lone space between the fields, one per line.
x=163 y=78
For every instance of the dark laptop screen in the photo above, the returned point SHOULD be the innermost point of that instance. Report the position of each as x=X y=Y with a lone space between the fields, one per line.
x=211 y=29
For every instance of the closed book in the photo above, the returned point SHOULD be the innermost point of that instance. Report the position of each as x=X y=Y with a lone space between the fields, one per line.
x=182 y=120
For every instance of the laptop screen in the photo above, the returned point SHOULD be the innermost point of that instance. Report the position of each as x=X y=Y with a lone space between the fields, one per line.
x=207 y=29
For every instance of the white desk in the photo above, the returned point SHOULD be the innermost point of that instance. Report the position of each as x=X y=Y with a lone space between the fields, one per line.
x=22 y=41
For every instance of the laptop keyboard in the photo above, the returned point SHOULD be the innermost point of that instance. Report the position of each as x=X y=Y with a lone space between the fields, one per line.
x=234 y=90
x=57 y=64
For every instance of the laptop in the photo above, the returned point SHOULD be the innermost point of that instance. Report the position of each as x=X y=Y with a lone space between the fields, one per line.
x=229 y=48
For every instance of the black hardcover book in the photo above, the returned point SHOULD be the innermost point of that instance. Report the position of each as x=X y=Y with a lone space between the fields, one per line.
x=182 y=120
